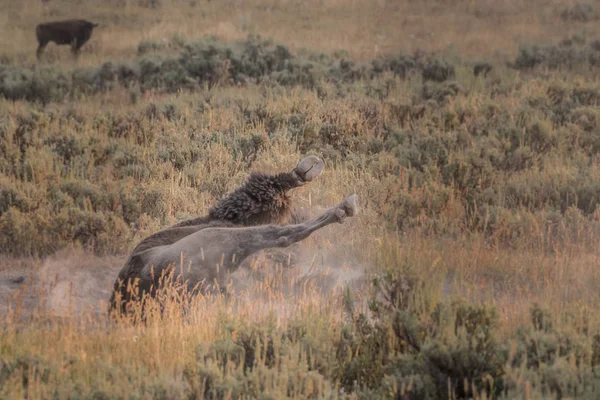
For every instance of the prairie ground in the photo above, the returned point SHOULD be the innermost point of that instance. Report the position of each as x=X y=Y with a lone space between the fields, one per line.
x=469 y=130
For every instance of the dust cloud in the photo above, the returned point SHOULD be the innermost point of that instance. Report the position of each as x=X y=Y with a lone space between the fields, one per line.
x=76 y=283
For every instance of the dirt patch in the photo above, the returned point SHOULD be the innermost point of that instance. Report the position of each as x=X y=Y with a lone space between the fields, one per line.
x=76 y=283
x=71 y=282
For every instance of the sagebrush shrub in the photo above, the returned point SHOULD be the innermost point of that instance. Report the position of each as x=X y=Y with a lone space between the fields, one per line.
x=438 y=71
x=580 y=12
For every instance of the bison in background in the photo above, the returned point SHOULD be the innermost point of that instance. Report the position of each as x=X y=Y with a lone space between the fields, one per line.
x=75 y=32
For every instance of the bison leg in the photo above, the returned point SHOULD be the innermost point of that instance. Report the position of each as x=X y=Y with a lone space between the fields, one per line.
x=283 y=236
x=78 y=43
x=75 y=48
x=213 y=253
x=40 y=49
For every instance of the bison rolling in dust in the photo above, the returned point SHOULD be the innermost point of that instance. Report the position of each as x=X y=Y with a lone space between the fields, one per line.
x=75 y=32
x=249 y=219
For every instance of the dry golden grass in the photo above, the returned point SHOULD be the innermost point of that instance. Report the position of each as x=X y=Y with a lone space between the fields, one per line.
x=67 y=333
x=64 y=329
x=365 y=29
x=69 y=348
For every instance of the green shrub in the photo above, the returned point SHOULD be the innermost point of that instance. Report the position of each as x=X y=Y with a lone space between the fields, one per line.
x=18 y=233
x=148 y=47
x=587 y=118
x=580 y=12
x=482 y=68
x=44 y=84
x=455 y=354
x=569 y=54
x=211 y=62
x=441 y=92
x=399 y=65
x=66 y=147
x=438 y=71
x=25 y=368
x=12 y=197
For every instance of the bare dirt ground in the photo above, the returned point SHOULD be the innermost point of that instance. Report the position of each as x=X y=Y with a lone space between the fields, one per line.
x=76 y=283
x=70 y=281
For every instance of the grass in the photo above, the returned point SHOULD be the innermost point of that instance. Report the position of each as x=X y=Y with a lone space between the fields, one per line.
x=365 y=29
x=475 y=255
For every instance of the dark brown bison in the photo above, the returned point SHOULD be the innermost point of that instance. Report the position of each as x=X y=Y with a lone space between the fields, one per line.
x=75 y=32
x=250 y=219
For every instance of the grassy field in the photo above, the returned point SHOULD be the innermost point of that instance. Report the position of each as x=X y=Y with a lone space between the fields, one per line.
x=471 y=272
x=366 y=29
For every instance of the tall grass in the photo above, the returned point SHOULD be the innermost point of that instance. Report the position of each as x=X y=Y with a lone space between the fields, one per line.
x=366 y=29
x=471 y=272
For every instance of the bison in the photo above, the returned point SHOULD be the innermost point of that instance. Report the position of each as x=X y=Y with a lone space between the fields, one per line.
x=75 y=32
x=250 y=219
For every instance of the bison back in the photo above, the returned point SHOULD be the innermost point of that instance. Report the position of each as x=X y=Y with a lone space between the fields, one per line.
x=62 y=32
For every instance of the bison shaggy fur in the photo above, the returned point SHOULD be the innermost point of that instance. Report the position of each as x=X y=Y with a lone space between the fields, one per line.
x=74 y=32
x=263 y=199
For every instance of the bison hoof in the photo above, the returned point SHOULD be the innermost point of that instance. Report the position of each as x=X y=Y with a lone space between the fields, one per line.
x=350 y=205
x=309 y=168
x=340 y=215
